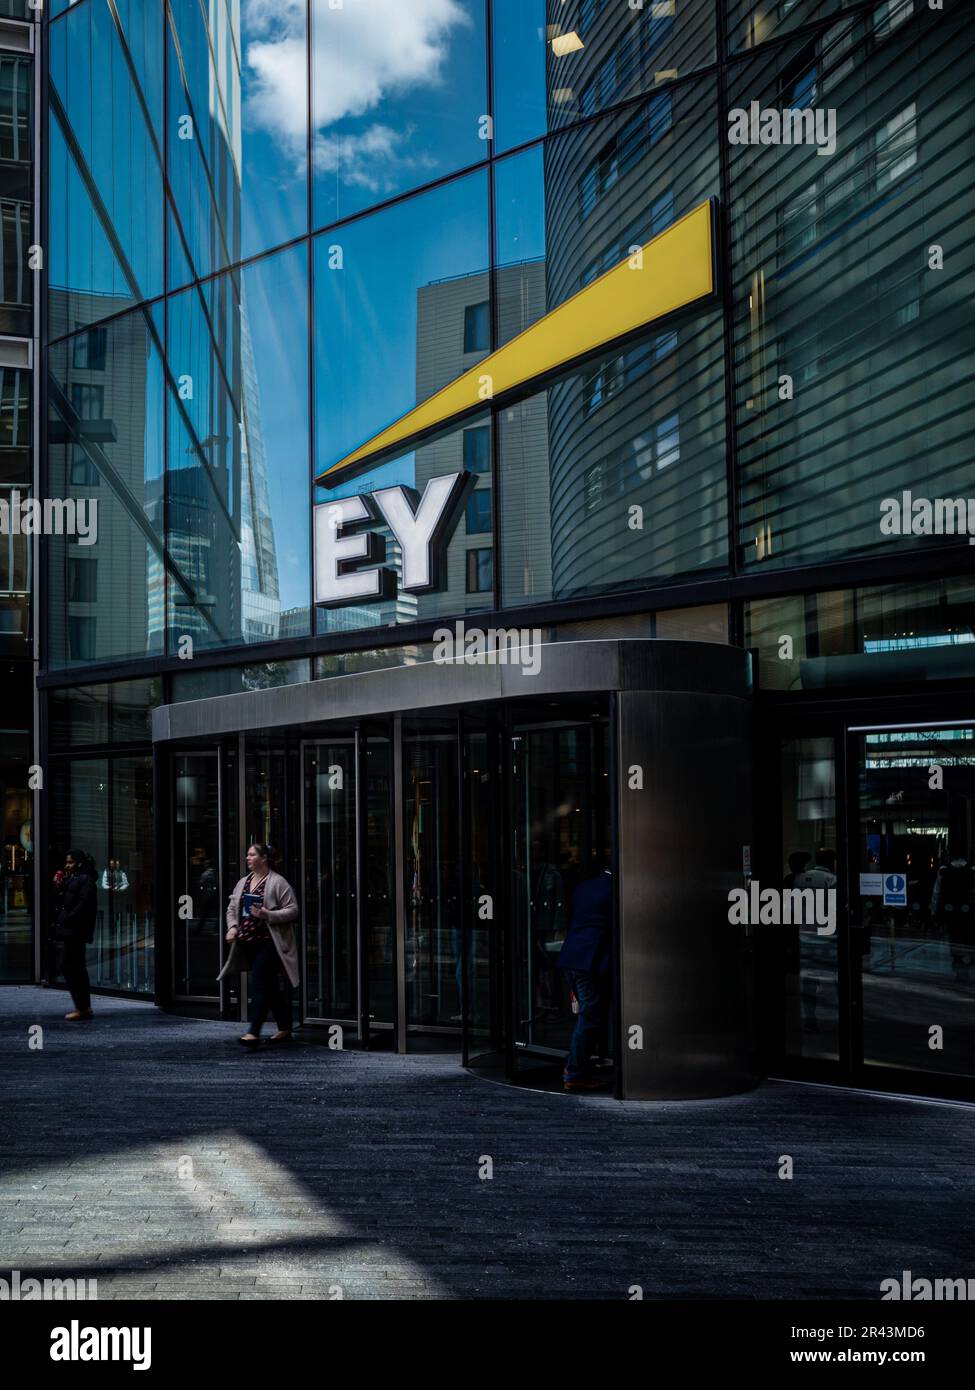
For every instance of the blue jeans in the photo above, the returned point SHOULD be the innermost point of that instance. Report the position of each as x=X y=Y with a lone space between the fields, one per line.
x=590 y=990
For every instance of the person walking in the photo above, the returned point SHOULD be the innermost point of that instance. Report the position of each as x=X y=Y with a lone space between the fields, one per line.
x=75 y=912
x=259 y=916
x=585 y=958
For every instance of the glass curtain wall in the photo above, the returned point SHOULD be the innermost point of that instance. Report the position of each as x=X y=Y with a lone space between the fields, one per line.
x=420 y=221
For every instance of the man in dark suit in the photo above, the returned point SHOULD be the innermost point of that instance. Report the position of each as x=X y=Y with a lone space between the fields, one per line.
x=585 y=959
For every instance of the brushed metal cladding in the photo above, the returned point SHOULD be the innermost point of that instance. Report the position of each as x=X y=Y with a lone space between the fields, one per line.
x=563 y=668
x=685 y=971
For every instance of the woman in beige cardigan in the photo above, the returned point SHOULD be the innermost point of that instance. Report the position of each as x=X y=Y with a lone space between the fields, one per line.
x=259 y=916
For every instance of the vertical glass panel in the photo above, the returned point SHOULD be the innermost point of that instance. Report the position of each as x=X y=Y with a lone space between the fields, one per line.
x=237 y=481
x=331 y=959
x=106 y=219
x=915 y=904
x=17 y=864
x=555 y=63
x=433 y=964
x=125 y=952
x=238 y=132
x=399 y=98
x=196 y=876
x=639 y=426
x=809 y=850
x=375 y=792
x=105 y=458
x=562 y=839
x=421 y=312
x=482 y=994
x=841 y=323
x=16 y=466
x=16 y=193
x=80 y=798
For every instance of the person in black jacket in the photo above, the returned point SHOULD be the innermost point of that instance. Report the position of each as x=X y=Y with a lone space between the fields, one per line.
x=74 y=927
x=585 y=957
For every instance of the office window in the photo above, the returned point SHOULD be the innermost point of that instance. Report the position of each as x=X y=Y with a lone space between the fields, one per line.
x=480 y=571
x=82 y=579
x=477 y=449
x=621 y=154
x=89 y=403
x=15 y=109
x=15 y=232
x=81 y=639
x=889 y=15
x=896 y=146
x=615 y=373
x=15 y=412
x=477 y=327
x=88 y=350
x=479 y=512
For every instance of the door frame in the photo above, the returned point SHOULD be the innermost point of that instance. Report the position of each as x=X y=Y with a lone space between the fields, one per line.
x=844 y=721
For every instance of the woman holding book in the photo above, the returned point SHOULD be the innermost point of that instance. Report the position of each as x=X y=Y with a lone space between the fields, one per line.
x=259 y=916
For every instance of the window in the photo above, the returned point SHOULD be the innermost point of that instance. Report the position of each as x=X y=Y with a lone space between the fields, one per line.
x=15 y=232
x=480 y=571
x=81 y=639
x=887 y=16
x=82 y=579
x=621 y=154
x=661 y=216
x=621 y=472
x=89 y=403
x=477 y=449
x=477 y=327
x=15 y=109
x=849 y=184
x=88 y=350
x=15 y=414
x=615 y=373
x=479 y=512
x=896 y=146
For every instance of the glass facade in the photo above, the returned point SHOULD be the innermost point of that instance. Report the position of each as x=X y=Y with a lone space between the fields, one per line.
x=242 y=293
x=18 y=280
x=276 y=231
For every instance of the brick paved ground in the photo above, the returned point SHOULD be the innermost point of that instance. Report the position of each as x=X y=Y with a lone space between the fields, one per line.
x=153 y=1153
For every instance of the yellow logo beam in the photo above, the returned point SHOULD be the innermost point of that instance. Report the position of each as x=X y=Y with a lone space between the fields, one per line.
x=674 y=270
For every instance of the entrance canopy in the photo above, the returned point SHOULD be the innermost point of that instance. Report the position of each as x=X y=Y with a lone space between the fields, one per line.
x=556 y=668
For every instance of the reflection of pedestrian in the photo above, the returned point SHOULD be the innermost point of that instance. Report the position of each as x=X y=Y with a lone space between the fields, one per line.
x=819 y=877
x=259 y=916
x=952 y=904
x=585 y=958
x=74 y=927
x=547 y=927
x=114 y=876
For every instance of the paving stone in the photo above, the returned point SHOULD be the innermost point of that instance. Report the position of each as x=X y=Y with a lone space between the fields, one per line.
x=315 y=1169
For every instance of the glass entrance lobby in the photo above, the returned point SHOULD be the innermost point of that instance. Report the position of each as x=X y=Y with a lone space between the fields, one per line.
x=436 y=848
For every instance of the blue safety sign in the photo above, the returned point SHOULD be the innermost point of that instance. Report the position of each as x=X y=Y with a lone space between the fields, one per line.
x=895 y=890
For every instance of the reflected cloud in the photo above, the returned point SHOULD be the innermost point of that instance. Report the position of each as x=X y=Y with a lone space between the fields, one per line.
x=365 y=53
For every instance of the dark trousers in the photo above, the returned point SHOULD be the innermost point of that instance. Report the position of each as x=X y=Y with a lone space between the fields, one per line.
x=71 y=964
x=268 y=993
x=592 y=992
